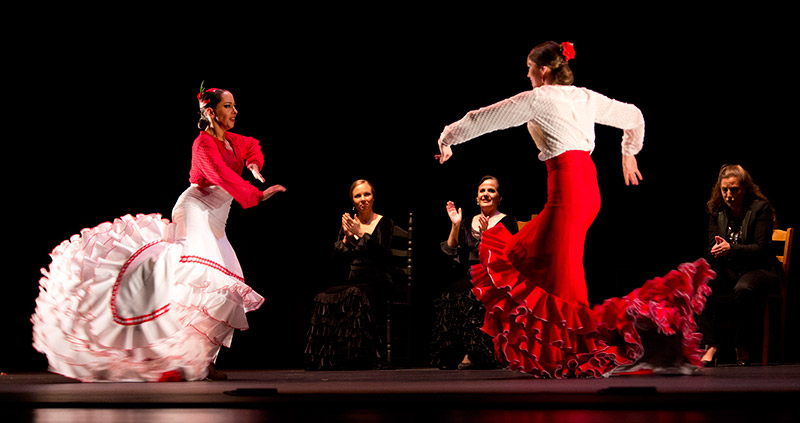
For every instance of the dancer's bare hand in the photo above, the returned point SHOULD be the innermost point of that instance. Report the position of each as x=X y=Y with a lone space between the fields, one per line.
x=269 y=192
x=256 y=172
x=445 y=152
x=630 y=170
x=454 y=214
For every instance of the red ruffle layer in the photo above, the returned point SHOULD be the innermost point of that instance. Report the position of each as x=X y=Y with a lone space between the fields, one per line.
x=541 y=334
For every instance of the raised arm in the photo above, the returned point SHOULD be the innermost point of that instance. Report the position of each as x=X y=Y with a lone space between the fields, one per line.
x=504 y=114
x=455 y=226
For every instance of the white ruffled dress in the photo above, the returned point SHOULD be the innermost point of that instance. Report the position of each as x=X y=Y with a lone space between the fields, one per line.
x=142 y=298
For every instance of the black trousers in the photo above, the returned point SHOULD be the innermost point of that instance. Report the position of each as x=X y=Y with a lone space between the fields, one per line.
x=737 y=300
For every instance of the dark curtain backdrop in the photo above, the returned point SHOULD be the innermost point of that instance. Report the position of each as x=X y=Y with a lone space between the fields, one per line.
x=103 y=115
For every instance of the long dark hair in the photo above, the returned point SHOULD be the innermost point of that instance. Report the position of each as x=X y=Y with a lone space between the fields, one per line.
x=752 y=191
x=549 y=54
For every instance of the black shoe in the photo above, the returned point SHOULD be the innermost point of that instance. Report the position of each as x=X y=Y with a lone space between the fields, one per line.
x=466 y=365
x=742 y=357
x=710 y=361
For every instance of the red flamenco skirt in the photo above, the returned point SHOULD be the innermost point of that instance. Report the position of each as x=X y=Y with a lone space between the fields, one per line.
x=534 y=290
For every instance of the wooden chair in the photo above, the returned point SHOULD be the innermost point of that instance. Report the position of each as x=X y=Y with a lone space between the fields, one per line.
x=400 y=297
x=784 y=236
x=521 y=223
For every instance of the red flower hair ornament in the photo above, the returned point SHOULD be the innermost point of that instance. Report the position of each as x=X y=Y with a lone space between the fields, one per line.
x=568 y=50
x=202 y=102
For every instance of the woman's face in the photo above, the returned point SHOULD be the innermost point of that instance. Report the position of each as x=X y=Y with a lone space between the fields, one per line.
x=225 y=112
x=362 y=197
x=732 y=192
x=536 y=74
x=488 y=194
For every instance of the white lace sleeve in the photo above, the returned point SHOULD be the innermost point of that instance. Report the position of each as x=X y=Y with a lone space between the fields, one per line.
x=563 y=118
x=504 y=114
x=623 y=116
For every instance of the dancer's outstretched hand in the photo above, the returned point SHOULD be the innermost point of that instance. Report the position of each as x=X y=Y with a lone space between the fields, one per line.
x=445 y=152
x=269 y=192
x=630 y=170
x=256 y=173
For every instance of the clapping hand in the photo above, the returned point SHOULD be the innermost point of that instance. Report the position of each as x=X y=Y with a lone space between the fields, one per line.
x=351 y=226
x=483 y=223
x=721 y=248
x=454 y=214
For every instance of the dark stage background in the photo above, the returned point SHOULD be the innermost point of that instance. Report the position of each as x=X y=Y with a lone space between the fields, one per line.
x=104 y=113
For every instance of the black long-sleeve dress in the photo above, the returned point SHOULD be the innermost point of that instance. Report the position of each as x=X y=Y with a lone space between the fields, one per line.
x=458 y=314
x=346 y=319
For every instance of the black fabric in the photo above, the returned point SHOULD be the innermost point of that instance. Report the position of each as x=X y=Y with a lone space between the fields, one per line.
x=347 y=319
x=745 y=275
x=458 y=315
x=457 y=332
x=343 y=334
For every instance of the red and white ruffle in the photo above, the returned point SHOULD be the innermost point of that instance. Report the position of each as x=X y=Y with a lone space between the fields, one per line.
x=123 y=302
x=539 y=333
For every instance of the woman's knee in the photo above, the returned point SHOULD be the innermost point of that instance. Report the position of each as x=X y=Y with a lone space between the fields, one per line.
x=754 y=284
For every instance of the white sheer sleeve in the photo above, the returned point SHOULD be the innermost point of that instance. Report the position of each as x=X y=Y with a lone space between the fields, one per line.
x=504 y=114
x=562 y=118
x=623 y=116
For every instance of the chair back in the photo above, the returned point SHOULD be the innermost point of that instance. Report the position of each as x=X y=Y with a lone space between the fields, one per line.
x=521 y=223
x=402 y=249
x=785 y=236
x=398 y=306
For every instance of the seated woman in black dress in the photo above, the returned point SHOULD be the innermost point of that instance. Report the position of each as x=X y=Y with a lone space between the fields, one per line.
x=740 y=226
x=344 y=332
x=458 y=341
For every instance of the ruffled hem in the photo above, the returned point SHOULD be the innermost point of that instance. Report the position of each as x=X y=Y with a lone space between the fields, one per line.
x=664 y=306
x=118 y=303
x=541 y=334
x=457 y=332
x=343 y=333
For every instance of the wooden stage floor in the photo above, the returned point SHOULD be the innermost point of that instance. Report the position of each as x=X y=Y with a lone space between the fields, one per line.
x=730 y=394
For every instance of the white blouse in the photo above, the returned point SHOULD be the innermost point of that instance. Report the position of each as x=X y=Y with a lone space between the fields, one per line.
x=559 y=117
